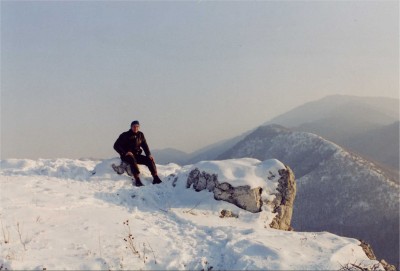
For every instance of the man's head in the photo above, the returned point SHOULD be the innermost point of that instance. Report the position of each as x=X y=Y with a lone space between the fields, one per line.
x=135 y=126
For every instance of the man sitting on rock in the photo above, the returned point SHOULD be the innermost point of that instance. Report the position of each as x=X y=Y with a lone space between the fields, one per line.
x=129 y=145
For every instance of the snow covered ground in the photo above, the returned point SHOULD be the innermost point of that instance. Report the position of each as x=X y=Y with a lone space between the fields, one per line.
x=75 y=215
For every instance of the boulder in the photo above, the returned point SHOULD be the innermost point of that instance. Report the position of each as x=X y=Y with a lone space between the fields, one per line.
x=202 y=180
x=228 y=213
x=284 y=200
x=242 y=196
x=251 y=199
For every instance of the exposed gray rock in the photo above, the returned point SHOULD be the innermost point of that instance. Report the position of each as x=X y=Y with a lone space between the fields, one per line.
x=371 y=255
x=368 y=250
x=242 y=196
x=228 y=213
x=202 y=180
x=284 y=200
x=387 y=266
x=122 y=168
x=249 y=198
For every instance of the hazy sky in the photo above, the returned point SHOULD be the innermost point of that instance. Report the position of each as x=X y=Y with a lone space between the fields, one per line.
x=75 y=74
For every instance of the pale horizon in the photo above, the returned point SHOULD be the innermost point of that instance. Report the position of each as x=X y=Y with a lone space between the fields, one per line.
x=75 y=74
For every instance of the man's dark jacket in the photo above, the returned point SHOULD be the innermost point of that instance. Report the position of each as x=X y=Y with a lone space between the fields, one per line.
x=131 y=142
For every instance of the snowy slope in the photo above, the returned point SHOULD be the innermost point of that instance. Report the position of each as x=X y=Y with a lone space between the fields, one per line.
x=339 y=191
x=72 y=214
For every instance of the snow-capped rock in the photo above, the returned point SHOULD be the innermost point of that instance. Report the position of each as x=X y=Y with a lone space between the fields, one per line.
x=337 y=191
x=277 y=191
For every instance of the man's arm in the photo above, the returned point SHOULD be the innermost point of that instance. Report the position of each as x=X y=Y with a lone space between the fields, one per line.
x=118 y=145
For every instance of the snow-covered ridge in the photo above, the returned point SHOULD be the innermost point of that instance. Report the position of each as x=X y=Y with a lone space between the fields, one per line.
x=60 y=168
x=340 y=191
x=58 y=207
x=246 y=171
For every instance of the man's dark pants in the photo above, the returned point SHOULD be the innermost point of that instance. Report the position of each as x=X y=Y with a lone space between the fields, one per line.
x=133 y=161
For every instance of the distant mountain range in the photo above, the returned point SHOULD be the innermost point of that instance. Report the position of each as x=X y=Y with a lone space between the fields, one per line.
x=338 y=191
x=344 y=151
x=373 y=110
x=170 y=155
x=367 y=126
x=380 y=145
x=210 y=152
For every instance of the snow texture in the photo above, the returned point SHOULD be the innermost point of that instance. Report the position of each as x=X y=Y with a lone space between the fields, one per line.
x=80 y=215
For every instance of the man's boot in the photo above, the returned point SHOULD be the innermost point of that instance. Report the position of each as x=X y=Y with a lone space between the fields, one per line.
x=137 y=180
x=156 y=179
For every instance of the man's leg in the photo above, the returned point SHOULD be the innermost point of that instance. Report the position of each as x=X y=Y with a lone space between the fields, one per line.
x=144 y=160
x=133 y=164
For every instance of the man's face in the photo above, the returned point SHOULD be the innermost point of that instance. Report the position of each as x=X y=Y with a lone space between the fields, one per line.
x=135 y=128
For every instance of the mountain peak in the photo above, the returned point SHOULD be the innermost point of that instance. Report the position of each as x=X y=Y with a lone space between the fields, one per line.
x=330 y=179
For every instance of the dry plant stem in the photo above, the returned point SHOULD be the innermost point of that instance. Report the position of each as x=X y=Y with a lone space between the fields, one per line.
x=144 y=252
x=188 y=211
x=131 y=246
x=100 y=247
x=6 y=237
x=129 y=240
x=355 y=266
x=20 y=236
x=152 y=251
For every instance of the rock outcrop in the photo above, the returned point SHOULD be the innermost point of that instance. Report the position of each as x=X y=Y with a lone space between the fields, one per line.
x=242 y=196
x=248 y=198
x=371 y=255
x=284 y=200
x=368 y=250
x=202 y=180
